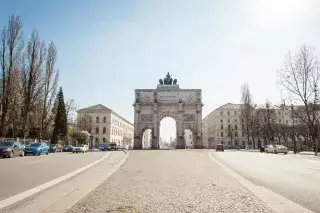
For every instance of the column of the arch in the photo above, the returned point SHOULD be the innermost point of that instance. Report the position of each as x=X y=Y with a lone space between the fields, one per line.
x=199 y=143
x=137 y=133
x=156 y=126
x=180 y=139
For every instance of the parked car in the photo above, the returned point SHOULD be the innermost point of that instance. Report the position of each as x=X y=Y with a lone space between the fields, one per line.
x=55 y=148
x=219 y=148
x=10 y=149
x=105 y=147
x=276 y=149
x=80 y=148
x=113 y=146
x=68 y=148
x=37 y=148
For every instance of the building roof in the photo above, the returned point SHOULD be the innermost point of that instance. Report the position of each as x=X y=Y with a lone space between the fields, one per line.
x=230 y=106
x=104 y=108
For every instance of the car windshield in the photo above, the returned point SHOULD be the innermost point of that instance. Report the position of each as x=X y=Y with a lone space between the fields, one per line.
x=79 y=145
x=35 y=144
x=6 y=143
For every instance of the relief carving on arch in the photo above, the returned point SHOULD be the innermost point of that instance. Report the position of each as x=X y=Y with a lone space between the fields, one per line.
x=189 y=117
x=167 y=114
x=146 y=118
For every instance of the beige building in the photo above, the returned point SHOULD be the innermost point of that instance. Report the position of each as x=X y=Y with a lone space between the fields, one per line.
x=225 y=121
x=223 y=126
x=105 y=125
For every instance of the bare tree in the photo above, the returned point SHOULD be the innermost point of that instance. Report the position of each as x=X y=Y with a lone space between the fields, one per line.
x=50 y=82
x=32 y=78
x=71 y=107
x=246 y=111
x=11 y=45
x=84 y=123
x=300 y=76
x=266 y=121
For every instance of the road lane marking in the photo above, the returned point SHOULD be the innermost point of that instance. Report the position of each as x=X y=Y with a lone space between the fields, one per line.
x=37 y=161
x=273 y=200
x=18 y=197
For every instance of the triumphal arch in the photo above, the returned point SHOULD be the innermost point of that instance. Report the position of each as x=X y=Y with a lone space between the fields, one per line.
x=168 y=100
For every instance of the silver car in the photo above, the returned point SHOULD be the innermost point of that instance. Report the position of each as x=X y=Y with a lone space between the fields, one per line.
x=276 y=149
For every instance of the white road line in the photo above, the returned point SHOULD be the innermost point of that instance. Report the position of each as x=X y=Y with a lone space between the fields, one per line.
x=37 y=161
x=28 y=193
x=273 y=200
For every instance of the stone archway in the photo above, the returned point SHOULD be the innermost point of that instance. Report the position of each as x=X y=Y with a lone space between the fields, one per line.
x=167 y=100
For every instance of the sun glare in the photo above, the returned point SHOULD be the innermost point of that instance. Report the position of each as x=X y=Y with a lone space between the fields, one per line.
x=273 y=13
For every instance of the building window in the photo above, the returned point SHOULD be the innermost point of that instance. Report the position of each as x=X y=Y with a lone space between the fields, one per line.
x=235 y=120
x=96 y=139
x=228 y=120
x=287 y=121
x=242 y=134
x=235 y=112
x=90 y=119
x=89 y=130
x=221 y=126
x=104 y=119
x=235 y=126
x=279 y=120
x=221 y=134
x=236 y=134
x=228 y=113
x=221 y=120
x=97 y=119
x=221 y=113
x=104 y=139
x=104 y=130
x=229 y=126
x=97 y=130
x=242 y=126
x=229 y=134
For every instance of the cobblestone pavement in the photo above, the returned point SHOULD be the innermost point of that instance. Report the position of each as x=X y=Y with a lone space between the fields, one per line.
x=170 y=181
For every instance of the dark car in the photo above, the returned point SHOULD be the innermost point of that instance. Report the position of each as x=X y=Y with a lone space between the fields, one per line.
x=105 y=147
x=68 y=148
x=113 y=146
x=219 y=148
x=10 y=149
x=55 y=148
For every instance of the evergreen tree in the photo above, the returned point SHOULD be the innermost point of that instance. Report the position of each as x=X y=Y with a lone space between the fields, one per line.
x=60 y=122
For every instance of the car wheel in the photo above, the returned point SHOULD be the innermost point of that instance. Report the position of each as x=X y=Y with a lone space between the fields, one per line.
x=286 y=153
x=39 y=153
x=47 y=153
x=22 y=154
x=11 y=154
x=275 y=152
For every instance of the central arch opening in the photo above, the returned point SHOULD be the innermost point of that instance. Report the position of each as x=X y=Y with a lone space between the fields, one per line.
x=168 y=133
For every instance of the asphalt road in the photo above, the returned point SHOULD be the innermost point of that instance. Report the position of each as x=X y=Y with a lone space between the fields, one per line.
x=23 y=173
x=295 y=177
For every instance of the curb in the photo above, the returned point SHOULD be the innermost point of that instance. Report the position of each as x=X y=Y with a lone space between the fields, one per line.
x=18 y=197
x=273 y=200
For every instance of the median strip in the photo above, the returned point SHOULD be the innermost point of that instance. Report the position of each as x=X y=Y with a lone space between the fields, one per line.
x=11 y=200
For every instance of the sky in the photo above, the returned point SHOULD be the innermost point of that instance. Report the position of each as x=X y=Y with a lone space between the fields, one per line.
x=106 y=49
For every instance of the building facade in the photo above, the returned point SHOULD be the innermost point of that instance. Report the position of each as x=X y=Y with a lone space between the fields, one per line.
x=224 y=126
x=105 y=125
